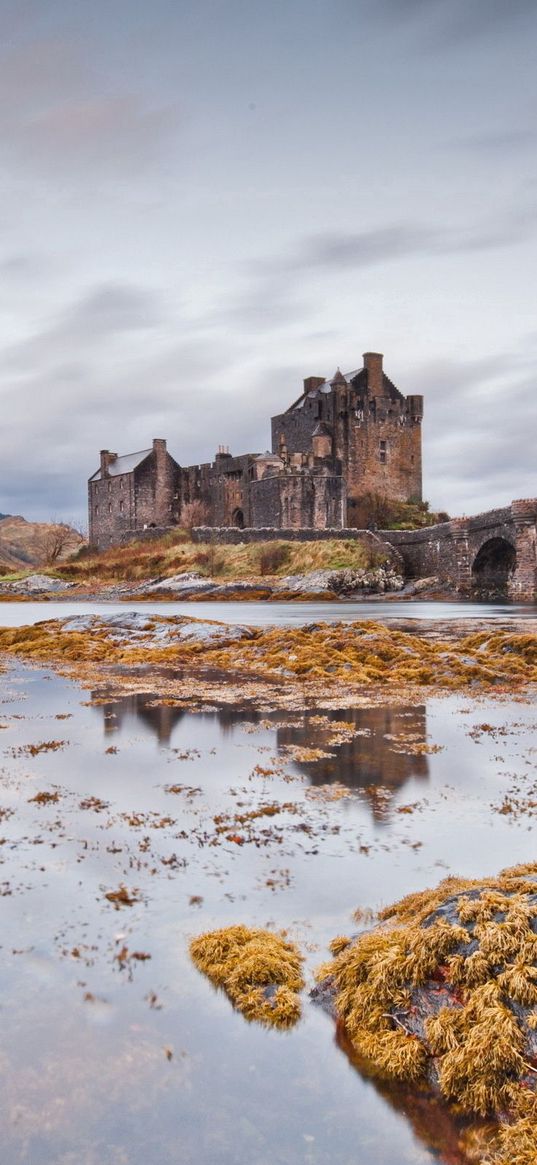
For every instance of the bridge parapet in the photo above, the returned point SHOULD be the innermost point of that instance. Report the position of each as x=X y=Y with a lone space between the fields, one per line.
x=453 y=550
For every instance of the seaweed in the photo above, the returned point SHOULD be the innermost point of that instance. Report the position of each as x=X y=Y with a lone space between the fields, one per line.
x=260 y=972
x=439 y=993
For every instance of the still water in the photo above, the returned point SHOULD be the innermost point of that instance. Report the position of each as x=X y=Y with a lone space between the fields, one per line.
x=270 y=614
x=115 y=1051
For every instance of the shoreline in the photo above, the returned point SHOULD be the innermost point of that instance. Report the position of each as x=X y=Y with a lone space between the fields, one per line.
x=193 y=662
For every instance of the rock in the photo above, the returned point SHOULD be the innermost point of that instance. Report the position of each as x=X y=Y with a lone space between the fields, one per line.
x=191 y=584
x=313 y=583
x=36 y=584
x=377 y=580
x=153 y=631
x=190 y=580
x=442 y=995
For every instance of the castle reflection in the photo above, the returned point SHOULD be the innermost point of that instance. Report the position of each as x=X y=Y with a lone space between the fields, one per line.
x=380 y=752
x=381 y=749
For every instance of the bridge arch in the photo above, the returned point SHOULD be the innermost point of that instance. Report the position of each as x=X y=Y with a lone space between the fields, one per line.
x=494 y=565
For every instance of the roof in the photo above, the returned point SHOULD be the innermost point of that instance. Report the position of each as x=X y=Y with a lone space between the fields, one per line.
x=124 y=464
x=358 y=380
x=322 y=430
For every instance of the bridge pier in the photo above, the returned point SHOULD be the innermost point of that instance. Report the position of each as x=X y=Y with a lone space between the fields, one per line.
x=523 y=582
x=460 y=556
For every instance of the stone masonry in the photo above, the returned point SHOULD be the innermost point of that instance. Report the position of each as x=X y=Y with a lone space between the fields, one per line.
x=341 y=441
x=496 y=550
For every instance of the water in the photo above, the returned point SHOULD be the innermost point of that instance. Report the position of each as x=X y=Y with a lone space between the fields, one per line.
x=109 y=1059
x=270 y=614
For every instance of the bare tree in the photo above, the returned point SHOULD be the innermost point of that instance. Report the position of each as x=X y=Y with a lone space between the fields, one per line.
x=57 y=541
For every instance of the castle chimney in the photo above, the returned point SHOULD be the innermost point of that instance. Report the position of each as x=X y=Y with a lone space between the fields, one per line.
x=373 y=367
x=106 y=460
x=162 y=485
x=312 y=382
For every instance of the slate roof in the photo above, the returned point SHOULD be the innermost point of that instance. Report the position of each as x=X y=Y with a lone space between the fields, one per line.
x=358 y=379
x=124 y=464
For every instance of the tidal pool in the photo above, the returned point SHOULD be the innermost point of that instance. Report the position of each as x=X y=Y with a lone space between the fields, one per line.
x=115 y=1050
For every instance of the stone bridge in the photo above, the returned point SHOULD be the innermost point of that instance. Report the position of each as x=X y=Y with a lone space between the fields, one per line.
x=495 y=551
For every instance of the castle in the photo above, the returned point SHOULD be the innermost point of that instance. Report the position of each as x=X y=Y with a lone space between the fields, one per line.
x=342 y=440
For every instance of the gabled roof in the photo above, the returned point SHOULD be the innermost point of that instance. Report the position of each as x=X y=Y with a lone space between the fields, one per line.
x=124 y=464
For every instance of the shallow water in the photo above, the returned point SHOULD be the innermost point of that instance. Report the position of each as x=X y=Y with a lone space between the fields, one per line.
x=109 y=1059
x=269 y=614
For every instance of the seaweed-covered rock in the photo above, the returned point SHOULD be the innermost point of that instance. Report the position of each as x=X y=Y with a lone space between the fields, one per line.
x=261 y=972
x=444 y=992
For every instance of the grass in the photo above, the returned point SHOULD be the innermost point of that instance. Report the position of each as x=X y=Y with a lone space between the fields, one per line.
x=175 y=554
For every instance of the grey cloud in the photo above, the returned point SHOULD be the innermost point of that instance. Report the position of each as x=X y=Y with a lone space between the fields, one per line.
x=497 y=144
x=69 y=398
x=271 y=296
x=480 y=415
x=445 y=23
x=105 y=312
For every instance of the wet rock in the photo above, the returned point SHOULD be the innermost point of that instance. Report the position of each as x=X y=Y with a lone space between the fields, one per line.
x=443 y=993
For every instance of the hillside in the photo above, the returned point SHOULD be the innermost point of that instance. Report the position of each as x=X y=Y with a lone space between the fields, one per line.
x=26 y=544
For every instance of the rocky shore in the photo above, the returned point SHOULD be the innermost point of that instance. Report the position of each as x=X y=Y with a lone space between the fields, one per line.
x=378 y=582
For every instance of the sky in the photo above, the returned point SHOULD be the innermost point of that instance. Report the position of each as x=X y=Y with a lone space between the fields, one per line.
x=203 y=203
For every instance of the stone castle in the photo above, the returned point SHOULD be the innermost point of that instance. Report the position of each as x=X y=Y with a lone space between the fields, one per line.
x=343 y=440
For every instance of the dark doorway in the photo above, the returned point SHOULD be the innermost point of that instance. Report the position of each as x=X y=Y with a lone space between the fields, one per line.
x=237 y=519
x=493 y=566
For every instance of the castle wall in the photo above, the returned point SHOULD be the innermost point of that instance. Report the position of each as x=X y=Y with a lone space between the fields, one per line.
x=111 y=508
x=307 y=500
x=148 y=495
x=157 y=494
x=379 y=442
x=340 y=442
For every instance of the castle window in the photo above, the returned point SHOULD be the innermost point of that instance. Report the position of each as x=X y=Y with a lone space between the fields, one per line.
x=110 y=507
x=109 y=487
x=382 y=452
x=121 y=507
x=121 y=483
x=96 y=511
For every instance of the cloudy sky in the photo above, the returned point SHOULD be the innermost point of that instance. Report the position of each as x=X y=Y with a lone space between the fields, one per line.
x=204 y=202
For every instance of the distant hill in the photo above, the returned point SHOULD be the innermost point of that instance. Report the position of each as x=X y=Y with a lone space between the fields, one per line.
x=26 y=544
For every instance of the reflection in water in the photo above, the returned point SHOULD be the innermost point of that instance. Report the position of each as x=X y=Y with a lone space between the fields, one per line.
x=379 y=754
x=114 y=1047
x=160 y=718
x=370 y=758
x=437 y=1126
